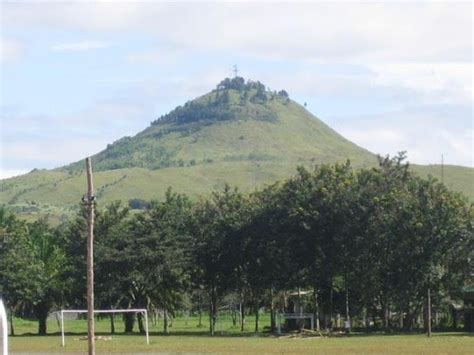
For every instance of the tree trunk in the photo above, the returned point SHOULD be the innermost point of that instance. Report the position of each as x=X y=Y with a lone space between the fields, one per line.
x=410 y=318
x=454 y=314
x=165 y=321
x=256 y=317
x=316 y=308
x=242 y=313
x=367 y=319
x=386 y=315
x=330 y=305
x=214 y=315
x=141 y=328
x=242 y=317
x=211 y=328
x=213 y=312
x=12 y=329
x=234 y=315
x=428 y=313
x=112 y=324
x=42 y=325
x=348 y=318
x=272 y=312
x=42 y=314
x=129 y=319
x=200 y=310
x=200 y=316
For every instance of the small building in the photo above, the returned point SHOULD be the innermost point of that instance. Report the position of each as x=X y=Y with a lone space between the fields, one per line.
x=294 y=315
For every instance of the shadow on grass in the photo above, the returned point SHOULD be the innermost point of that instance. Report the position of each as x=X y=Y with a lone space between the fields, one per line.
x=249 y=334
x=361 y=334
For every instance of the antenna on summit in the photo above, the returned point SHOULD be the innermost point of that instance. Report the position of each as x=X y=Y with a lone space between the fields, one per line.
x=235 y=70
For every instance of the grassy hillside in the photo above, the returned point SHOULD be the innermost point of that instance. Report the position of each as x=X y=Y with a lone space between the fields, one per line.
x=276 y=129
x=457 y=178
x=239 y=133
x=52 y=190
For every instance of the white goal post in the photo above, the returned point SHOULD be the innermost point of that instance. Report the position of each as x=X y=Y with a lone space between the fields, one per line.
x=138 y=310
x=3 y=329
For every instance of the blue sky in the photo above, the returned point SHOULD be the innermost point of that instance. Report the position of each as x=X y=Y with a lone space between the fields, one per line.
x=77 y=75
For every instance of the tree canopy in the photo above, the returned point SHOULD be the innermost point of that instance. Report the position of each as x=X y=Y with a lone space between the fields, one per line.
x=365 y=243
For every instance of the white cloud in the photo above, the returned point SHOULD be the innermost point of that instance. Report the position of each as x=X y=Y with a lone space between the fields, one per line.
x=323 y=31
x=368 y=137
x=461 y=145
x=56 y=150
x=51 y=141
x=11 y=49
x=425 y=135
x=161 y=56
x=79 y=46
x=449 y=82
x=425 y=47
x=7 y=173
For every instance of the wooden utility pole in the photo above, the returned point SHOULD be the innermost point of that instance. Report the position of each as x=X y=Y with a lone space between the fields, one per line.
x=89 y=200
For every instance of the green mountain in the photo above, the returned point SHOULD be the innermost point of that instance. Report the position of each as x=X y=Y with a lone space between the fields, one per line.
x=239 y=122
x=239 y=133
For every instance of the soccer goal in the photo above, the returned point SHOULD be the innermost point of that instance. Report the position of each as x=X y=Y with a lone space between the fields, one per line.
x=142 y=311
x=3 y=329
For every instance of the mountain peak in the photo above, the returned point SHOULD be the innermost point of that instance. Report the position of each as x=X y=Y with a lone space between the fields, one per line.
x=232 y=99
x=238 y=122
x=238 y=83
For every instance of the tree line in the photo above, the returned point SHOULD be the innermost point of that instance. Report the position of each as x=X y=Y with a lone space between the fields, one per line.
x=366 y=243
x=217 y=106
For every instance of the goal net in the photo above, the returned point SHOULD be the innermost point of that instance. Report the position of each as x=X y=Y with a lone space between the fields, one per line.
x=109 y=311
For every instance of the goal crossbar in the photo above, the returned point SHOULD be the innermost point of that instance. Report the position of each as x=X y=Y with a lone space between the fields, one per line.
x=98 y=311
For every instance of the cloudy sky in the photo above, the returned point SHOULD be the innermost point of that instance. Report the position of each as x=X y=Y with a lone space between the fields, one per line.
x=77 y=75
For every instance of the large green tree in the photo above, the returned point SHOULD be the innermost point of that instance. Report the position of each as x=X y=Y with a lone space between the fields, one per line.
x=217 y=246
x=31 y=267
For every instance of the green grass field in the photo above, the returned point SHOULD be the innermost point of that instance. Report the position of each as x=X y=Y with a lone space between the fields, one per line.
x=186 y=337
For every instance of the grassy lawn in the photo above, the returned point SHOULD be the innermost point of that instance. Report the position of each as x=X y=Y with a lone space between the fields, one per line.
x=186 y=337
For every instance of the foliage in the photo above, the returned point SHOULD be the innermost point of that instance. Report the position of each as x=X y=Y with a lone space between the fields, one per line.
x=196 y=111
x=31 y=268
x=365 y=244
